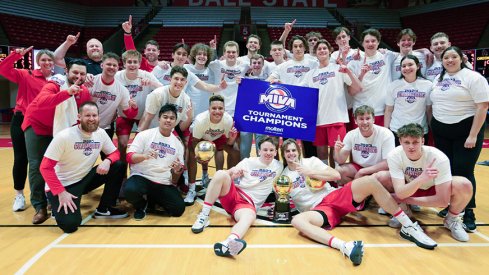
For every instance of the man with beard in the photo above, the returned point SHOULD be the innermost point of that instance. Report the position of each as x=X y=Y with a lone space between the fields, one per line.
x=68 y=169
x=53 y=109
x=95 y=51
x=151 y=48
x=368 y=145
x=110 y=94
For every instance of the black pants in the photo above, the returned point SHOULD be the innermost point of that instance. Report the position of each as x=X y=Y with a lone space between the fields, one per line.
x=109 y=132
x=167 y=196
x=69 y=222
x=19 y=171
x=450 y=139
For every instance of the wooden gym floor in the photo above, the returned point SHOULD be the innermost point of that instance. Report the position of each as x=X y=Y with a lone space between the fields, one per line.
x=165 y=245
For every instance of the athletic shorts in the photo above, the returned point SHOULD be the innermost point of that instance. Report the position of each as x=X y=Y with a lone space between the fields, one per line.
x=235 y=200
x=124 y=126
x=356 y=165
x=336 y=205
x=425 y=193
x=328 y=134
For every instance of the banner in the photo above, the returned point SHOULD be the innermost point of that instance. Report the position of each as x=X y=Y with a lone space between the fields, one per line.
x=276 y=109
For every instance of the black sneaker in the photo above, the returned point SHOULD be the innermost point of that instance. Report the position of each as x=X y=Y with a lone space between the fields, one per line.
x=140 y=214
x=443 y=213
x=469 y=220
x=110 y=213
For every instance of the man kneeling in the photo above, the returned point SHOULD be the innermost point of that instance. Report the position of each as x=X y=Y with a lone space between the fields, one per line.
x=67 y=168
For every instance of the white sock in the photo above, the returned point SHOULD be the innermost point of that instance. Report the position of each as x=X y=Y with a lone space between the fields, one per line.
x=191 y=186
x=206 y=209
x=336 y=243
x=403 y=218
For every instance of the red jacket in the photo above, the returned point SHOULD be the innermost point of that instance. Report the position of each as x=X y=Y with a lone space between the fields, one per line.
x=40 y=113
x=30 y=82
x=129 y=44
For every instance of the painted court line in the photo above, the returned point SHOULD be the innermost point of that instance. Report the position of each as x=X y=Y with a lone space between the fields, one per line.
x=255 y=246
x=43 y=251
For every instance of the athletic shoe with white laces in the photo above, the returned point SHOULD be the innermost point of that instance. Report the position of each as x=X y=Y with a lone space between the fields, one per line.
x=415 y=234
x=354 y=251
x=455 y=225
x=190 y=197
x=415 y=208
x=19 y=203
x=201 y=223
x=205 y=180
x=394 y=223
x=229 y=247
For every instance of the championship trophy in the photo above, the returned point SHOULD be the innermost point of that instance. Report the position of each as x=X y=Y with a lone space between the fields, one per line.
x=314 y=184
x=204 y=150
x=281 y=213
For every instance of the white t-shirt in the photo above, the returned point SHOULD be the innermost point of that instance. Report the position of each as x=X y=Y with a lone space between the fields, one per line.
x=304 y=199
x=199 y=98
x=401 y=167
x=396 y=65
x=372 y=150
x=374 y=82
x=409 y=101
x=162 y=96
x=108 y=98
x=332 y=107
x=76 y=153
x=230 y=72
x=136 y=90
x=349 y=56
x=434 y=70
x=203 y=128
x=293 y=72
x=162 y=75
x=258 y=178
x=169 y=149
x=455 y=96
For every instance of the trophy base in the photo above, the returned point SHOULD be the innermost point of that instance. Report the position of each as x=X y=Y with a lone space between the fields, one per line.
x=282 y=217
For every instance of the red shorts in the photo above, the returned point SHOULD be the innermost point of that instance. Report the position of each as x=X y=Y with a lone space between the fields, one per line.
x=357 y=166
x=186 y=132
x=235 y=199
x=328 y=134
x=124 y=126
x=338 y=204
x=424 y=193
x=220 y=142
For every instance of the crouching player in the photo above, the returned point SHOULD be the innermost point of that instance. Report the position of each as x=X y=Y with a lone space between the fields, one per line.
x=324 y=208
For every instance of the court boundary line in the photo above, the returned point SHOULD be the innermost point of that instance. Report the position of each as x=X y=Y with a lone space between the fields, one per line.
x=43 y=251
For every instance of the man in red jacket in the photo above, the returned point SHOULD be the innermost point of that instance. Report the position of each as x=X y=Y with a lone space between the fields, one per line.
x=55 y=102
x=151 y=48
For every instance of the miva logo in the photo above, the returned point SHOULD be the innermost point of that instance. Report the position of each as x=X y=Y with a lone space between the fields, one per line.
x=277 y=99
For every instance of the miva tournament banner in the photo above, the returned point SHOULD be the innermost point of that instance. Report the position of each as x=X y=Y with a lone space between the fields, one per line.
x=276 y=109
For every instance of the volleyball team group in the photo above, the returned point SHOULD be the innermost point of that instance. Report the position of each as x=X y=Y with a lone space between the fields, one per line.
x=370 y=101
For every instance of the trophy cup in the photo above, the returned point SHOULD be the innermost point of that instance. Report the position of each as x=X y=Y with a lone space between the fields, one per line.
x=204 y=150
x=281 y=213
x=314 y=184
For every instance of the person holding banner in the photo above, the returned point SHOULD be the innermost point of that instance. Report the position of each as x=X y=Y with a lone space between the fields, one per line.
x=323 y=209
x=214 y=125
x=30 y=83
x=331 y=79
x=241 y=190
x=368 y=145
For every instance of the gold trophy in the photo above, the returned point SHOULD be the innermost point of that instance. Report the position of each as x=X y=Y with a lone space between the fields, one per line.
x=314 y=184
x=281 y=213
x=204 y=150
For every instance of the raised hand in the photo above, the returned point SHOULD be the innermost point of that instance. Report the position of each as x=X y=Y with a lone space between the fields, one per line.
x=338 y=145
x=23 y=51
x=289 y=25
x=430 y=172
x=127 y=26
x=213 y=43
x=72 y=39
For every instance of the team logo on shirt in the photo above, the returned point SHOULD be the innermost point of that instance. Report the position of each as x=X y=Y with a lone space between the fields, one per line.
x=230 y=74
x=57 y=80
x=134 y=89
x=202 y=77
x=323 y=77
x=412 y=173
x=434 y=72
x=411 y=95
x=263 y=174
x=298 y=71
x=163 y=149
x=365 y=149
x=277 y=99
x=214 y=132
x=376 y=67
x=446 y=83
x=300 y=181
x=104 y=96
x=87 y=146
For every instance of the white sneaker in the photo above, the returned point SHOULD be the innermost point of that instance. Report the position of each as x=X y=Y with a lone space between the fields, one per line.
x=354 y=251
x=229 y=247
x=190 y=197
x=394 y=223
x=415 y=208
x=455 y=225
x=415 y=234
x=205 y=180
x=381 y=211
x=19 y=203
x=201 y=222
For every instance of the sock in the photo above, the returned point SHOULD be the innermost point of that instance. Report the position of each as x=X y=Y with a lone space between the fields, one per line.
x=452 y=215
x=204 y=173
x=336 y=243
x=232 y=236
x=185 y=175
x=191 y=186
x=403 y=218
x=207 y=208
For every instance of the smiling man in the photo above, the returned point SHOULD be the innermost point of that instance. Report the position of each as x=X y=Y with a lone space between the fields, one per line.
x=95 y=52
